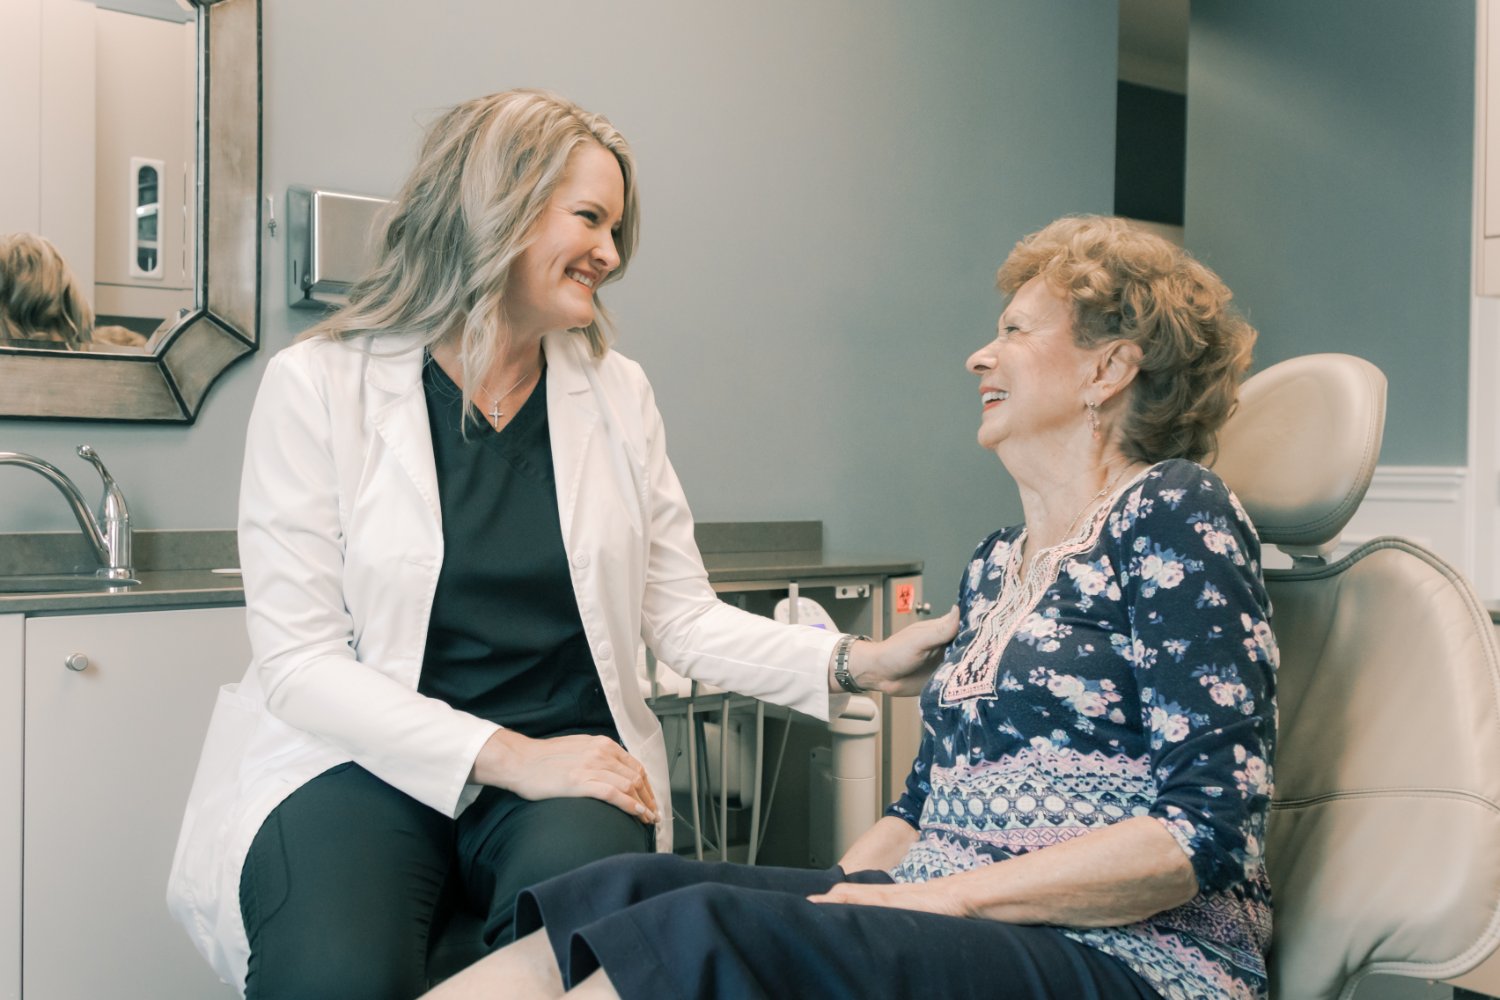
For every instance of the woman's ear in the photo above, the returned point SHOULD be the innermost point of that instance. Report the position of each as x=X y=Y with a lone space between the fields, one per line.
x=1116 y=368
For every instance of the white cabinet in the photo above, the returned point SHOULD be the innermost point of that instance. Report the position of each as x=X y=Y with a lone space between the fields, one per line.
x=12 y=676
x=109 y=755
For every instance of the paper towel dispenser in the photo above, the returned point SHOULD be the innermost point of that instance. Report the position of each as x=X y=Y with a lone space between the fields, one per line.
x=330 y=244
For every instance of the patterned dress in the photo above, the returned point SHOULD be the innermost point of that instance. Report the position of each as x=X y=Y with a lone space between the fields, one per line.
x=1131 y=673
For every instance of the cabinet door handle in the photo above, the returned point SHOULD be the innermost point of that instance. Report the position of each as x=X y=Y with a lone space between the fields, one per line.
x=77 y=662
x=924 y=608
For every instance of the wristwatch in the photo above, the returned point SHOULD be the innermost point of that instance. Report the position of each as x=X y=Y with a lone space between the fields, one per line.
x=841 y=663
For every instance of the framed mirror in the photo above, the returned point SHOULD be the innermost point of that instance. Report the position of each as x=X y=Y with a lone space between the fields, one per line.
x=192 y=231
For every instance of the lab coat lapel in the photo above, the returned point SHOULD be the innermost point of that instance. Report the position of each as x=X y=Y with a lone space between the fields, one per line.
x=398 y=409
x=572 y=419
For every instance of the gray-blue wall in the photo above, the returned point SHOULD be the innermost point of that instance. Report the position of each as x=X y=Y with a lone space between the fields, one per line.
x=828 y=187
x=1329 y=173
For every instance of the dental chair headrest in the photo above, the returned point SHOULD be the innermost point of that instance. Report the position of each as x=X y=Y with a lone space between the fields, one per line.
x=1301 y=448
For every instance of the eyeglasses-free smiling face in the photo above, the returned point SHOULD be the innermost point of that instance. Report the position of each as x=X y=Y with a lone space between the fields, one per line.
x=551 y=284
x=1032 y=376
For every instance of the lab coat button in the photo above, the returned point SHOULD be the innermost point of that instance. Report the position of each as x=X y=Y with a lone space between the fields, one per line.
x=604 y=651
x=581 y=560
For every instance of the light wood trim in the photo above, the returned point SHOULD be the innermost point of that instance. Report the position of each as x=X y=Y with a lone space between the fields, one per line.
x=169 y=386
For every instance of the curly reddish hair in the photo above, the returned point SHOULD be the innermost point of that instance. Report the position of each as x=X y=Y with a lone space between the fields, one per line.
x=1128 y=284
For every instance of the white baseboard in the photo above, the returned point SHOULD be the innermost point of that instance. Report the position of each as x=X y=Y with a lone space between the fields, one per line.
x=1427 y=504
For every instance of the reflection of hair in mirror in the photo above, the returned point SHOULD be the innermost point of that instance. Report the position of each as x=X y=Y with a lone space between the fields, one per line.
x=40 y=300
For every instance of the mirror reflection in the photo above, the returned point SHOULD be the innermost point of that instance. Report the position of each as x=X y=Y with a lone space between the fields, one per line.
x=106 y=262
x=44 y=307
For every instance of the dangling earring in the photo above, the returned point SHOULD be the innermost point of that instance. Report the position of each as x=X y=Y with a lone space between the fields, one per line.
x=1093 y=416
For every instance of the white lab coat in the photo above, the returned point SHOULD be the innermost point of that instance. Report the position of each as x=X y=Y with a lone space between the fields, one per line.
x=340 y=544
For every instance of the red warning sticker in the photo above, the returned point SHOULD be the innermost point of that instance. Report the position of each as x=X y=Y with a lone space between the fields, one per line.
x=906 y=596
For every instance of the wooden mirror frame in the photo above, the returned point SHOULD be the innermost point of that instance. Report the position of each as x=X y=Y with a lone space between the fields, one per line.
x=169 y=384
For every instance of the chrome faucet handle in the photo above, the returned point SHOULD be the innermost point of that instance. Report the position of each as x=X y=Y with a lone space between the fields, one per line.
x=113 y=519
x=89 y=455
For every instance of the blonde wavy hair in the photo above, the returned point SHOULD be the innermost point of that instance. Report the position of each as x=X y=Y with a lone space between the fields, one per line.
x=486 y=171
x=39 y=296
x=1128 y=284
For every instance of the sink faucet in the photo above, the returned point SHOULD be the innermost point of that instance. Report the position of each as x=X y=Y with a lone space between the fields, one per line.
x=109 y=533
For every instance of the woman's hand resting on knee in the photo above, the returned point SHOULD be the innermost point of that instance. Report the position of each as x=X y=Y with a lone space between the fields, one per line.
x=576 y=766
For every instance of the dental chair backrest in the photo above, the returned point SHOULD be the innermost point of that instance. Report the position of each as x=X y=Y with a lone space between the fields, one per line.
x=1384 y=841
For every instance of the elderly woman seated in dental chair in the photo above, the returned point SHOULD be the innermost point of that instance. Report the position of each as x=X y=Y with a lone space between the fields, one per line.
x=1086 y=813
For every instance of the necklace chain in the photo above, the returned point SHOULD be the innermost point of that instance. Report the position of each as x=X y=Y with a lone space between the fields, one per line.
x=495 y=413
x=1095 y=499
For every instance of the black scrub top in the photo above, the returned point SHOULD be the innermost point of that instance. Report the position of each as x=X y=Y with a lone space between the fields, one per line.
x=505 y=641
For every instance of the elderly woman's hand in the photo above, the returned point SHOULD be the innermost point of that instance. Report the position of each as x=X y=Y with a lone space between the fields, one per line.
x=901 y=664
x=928 y=897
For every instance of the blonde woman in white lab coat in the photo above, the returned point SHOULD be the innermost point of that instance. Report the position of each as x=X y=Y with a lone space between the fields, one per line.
x=457 y=520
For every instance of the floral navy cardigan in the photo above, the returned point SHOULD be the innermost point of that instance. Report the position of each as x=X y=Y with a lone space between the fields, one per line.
x=1131 y=673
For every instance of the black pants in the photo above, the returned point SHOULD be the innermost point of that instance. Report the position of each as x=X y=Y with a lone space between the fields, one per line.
x=342 y=880
x=663 y=927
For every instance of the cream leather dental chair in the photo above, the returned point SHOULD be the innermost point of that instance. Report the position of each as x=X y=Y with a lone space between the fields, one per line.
x=1384 y=840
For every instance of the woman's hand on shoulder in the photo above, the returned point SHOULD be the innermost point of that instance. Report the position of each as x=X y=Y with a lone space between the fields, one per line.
x=901 y=664
x=576 y=766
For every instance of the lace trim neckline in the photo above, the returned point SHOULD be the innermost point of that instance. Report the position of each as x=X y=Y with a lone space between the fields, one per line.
x=976 y=673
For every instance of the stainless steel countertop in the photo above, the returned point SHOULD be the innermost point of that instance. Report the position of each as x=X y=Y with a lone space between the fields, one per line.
x=200 y=588
x=792 y=552
x=158 y=589
x=742 y=567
